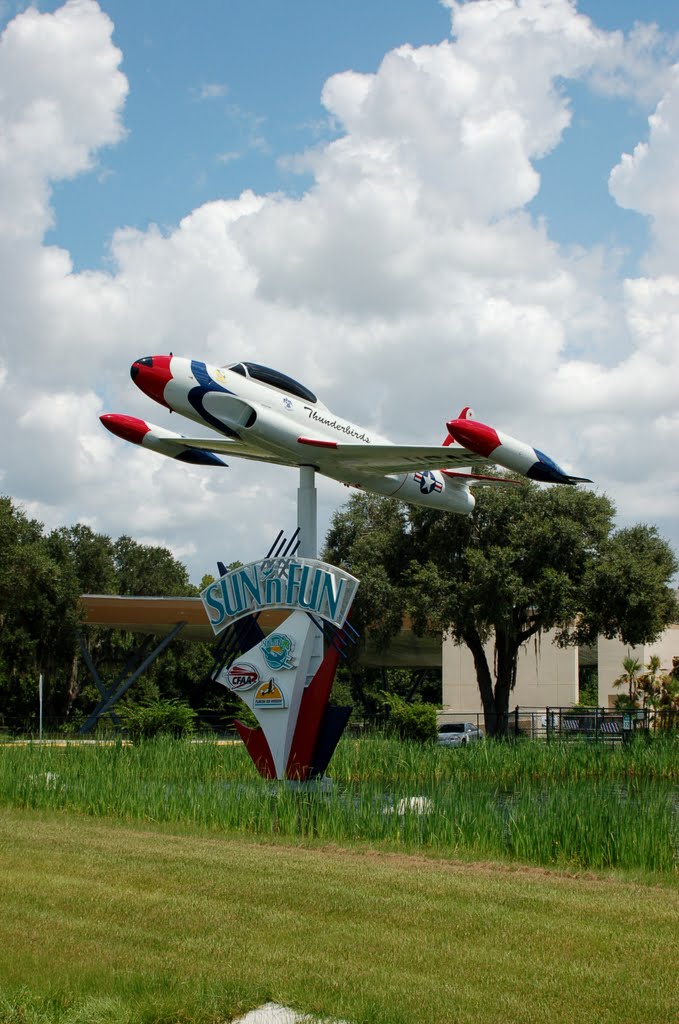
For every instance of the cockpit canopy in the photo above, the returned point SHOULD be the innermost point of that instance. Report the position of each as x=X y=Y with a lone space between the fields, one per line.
x=274 y=378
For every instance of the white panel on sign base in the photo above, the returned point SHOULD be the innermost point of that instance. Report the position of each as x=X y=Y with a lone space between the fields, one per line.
x=278 y=724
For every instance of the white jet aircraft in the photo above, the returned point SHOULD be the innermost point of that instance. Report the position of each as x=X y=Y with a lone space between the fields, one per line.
x=264 y=415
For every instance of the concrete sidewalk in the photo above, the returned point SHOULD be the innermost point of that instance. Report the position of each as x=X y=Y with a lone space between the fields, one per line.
x=272 y=1013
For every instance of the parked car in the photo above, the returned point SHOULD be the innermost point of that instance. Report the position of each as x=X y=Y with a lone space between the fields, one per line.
x=458 y=734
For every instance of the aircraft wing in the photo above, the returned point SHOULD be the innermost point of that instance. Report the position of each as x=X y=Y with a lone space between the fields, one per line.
x=396 y=458
x=237 y=449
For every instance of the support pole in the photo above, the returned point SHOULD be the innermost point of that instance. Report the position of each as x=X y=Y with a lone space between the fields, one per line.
x=308 y=547
x=306 y=512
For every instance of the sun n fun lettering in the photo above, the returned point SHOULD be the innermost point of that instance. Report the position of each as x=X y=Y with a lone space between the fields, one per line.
x=296 y=583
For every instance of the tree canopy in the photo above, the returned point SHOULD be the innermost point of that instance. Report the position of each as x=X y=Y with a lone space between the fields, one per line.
x=527 y=560
x=42 y=576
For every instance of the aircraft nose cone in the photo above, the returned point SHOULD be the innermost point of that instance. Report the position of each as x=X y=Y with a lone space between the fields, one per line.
x=151 y=375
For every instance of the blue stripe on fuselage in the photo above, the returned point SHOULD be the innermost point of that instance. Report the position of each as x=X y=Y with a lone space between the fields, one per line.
x=205 y=385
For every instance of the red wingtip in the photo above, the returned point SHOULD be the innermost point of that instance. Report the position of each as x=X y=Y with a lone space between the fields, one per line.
x=478 y=437
x=128 y=427
x=466 y=414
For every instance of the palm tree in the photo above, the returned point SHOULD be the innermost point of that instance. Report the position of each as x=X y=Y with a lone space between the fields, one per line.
x=630 y=677
x=651 y=682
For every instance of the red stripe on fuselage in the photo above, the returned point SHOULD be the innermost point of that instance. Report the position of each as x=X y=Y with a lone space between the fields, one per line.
x=316 y=444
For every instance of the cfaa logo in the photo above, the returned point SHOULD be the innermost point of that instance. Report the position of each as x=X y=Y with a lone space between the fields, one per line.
x=242 y=676
x=270 y=695
x=277 y=651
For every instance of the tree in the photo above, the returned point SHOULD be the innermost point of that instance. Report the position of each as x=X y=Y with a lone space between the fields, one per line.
x=41 y=580
x=144 y=569
x=38 y=614
x=527 y=560
x=630 y=679
x=666 y=700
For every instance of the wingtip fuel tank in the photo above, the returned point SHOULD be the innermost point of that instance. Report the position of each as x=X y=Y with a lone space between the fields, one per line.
x=507 y=451
x=158 y=439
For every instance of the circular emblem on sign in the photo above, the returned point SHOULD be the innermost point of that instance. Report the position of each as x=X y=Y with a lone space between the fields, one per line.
x=277 y=651
x=242 y=676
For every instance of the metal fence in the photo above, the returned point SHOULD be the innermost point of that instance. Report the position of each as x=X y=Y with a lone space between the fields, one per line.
x=610 y=725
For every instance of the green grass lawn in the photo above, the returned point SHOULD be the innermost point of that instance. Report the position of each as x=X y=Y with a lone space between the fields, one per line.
x=118 y=923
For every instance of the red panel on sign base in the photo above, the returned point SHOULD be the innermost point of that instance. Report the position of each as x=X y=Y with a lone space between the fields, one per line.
x=311 y=711
x=258 y=749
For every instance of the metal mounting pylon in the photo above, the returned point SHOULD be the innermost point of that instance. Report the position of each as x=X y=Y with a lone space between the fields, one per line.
x=307 y=512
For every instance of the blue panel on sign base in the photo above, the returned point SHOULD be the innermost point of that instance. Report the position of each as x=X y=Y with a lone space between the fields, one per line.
x=333 y=725
x=249 y=632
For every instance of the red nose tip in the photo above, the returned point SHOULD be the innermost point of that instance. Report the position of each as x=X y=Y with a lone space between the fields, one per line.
x=151 y=375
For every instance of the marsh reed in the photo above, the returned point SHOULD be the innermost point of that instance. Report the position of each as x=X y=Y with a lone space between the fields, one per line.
x=562 y=804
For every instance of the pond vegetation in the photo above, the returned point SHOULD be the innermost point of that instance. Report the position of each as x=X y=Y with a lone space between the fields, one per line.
x=569 y=805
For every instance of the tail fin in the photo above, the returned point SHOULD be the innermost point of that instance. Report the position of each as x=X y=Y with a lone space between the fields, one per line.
x=466 y=414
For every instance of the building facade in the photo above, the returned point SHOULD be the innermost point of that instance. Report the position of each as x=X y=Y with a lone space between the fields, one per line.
x=547 y=675
x=612 y=652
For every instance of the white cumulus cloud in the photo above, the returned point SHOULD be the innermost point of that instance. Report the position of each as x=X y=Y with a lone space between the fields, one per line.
x=408 y=280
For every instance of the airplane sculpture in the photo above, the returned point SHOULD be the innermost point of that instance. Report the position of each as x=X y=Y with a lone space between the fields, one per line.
x=264 y=415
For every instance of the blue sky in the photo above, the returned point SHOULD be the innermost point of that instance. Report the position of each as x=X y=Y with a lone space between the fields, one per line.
x=405 y=219
x=264 y=65
x=269 y=58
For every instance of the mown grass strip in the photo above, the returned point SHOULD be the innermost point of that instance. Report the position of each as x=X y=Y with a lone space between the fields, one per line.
x=102 y=923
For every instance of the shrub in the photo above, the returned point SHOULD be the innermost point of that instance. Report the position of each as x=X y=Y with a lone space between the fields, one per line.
x=411 y=721
x=156 y=716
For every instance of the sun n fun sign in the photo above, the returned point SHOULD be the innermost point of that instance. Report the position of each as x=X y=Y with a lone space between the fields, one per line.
x=298 y=584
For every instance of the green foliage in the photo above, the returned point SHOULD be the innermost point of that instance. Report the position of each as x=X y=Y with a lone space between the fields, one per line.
x=411 y=721
x=627 y=588
x=630 y=680
x=588 y=695
x=38 y=614
x=145 y=569
x=527 y=560
x=157 y=717
x=369 y=539
x=652 y=688
x=41 y=579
